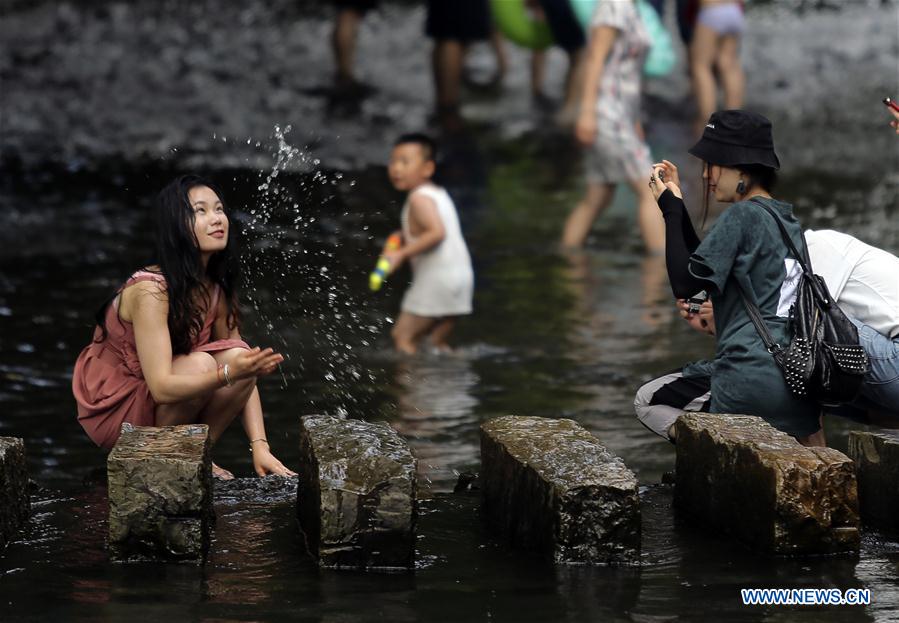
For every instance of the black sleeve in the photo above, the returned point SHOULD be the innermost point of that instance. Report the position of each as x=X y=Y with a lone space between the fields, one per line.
x=680 y=243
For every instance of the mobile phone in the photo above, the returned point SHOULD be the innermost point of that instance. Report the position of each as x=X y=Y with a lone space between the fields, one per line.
x=888 y=102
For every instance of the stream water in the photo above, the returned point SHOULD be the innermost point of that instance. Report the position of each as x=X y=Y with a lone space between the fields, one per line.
x=552 y=335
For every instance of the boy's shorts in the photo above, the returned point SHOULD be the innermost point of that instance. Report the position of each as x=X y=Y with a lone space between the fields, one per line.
x=460 y=20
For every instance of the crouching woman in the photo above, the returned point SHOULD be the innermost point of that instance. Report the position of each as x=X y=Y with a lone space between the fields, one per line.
x=167 y=348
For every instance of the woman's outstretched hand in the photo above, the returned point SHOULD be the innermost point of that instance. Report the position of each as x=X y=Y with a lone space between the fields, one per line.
x=665 y=177
x=265 y=463
x=254 y=362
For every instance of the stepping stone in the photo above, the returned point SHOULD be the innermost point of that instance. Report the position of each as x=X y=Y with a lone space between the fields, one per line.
x=14 y=504
x=160 y=493
x=548 y=485
x=356 y=498
x=876 y=459
x=738 y=474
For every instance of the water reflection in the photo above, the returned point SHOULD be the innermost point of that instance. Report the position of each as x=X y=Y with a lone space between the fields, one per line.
x=436 y=414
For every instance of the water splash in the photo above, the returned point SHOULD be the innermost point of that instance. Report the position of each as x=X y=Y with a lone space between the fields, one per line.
x=295 y=283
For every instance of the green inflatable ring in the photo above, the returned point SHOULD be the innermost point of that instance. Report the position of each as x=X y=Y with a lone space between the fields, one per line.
x=514 y=21
x=661 y=57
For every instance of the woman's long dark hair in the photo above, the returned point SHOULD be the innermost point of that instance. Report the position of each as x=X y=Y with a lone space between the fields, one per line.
x=755 y=174
x=178 y=257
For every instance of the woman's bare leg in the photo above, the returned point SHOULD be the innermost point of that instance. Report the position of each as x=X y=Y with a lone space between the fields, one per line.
x=730 y=71
x=186 y=411
x=228 y=402
x=581 y=219
x=703 y=54
x=191 y=411
x=817 y=438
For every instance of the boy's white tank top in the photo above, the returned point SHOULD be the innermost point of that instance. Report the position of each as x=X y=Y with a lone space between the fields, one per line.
x=442 y=278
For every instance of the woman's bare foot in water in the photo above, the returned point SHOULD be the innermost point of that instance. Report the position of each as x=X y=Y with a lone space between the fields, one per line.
x=221 y=473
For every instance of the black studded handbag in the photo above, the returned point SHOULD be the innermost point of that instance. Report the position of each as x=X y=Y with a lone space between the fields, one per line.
x=823 y=361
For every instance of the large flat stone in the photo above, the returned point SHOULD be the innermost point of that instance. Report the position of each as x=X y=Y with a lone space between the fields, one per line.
x=549 y=485
x=160 y=493
x=740 y=475
x=876 y=459
x=356 y=499
x=14 y=504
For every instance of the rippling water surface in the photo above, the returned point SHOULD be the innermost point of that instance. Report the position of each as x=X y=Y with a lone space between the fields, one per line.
x=553 y=335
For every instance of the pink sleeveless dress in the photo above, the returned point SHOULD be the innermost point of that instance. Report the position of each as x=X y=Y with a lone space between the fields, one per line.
x=108 y=382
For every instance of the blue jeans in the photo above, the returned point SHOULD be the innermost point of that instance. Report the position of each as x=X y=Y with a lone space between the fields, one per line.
x=881 y=386
x=880 y=391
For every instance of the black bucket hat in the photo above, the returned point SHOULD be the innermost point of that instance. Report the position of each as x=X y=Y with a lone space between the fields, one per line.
x=735 y=137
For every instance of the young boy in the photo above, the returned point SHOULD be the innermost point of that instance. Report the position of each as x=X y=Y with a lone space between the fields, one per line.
x=442 y=278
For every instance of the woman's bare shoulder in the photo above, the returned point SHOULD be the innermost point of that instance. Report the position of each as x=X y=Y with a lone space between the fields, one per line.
x=145 y=293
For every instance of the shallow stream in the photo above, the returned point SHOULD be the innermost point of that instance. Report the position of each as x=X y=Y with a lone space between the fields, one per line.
x=552 y=335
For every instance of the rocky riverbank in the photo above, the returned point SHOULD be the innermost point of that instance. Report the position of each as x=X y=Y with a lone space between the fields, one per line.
x=205 y=83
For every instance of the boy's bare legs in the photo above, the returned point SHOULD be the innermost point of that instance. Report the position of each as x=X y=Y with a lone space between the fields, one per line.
x=730 y=71
x=581 y=219
x=649 y=217
x=703 y=55
x=408 y=330
x=441 y=332
x=343 y=41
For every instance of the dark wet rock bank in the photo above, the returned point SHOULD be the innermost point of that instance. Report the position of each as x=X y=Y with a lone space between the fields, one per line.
x=205 y=83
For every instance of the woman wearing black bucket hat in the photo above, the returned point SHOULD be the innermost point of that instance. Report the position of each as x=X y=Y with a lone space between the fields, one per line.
x=744 y=249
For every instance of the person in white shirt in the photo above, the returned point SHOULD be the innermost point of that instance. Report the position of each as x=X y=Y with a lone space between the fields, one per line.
x=864 y=280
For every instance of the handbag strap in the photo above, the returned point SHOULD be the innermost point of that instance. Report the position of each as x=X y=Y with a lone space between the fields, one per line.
x=755 y=315
x=802 y=258
x=752 y=310
x=818 y=289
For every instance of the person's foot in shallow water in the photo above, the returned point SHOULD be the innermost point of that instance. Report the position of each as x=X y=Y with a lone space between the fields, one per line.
x=221 y=473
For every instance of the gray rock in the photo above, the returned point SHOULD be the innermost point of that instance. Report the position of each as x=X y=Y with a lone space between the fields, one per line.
x=356 y=498
x=160 y=493
x=876 y=459
x=549 y=485
x=740 y=475
x=14 y=504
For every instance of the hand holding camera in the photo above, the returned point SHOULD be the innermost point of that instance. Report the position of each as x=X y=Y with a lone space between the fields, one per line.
x=698 y=313
x=665 y=177
x=694 y=303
